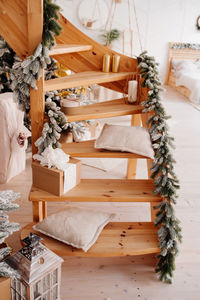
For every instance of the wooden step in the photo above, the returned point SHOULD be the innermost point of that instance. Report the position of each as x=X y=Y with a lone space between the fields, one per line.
x=84 y=79
x=86 y=149
x=116 y=239
x=100 y=110
x=103 y=190
x=64 y=49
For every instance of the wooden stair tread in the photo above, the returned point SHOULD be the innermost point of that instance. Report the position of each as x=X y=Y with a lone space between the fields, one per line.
x=103 y=190
x=101 y=110
x=64 y=49
x=84 y=78
x=116 y=239
x=86 y=149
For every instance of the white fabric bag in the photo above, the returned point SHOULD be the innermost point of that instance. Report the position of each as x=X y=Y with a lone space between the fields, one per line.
x=13 y=138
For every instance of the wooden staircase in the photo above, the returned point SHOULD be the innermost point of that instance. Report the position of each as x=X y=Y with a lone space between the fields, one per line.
x=84 y=57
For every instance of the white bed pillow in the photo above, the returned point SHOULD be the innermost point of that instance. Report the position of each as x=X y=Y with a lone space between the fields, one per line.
x=75 y=226
x=184 y=65
x=132 y=139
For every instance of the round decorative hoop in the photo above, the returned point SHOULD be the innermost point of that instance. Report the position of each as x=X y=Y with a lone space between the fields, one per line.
x=198 y=23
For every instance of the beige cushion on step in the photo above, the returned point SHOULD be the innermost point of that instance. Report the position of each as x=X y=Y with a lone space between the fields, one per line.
x=75 y=226
x=126 y=139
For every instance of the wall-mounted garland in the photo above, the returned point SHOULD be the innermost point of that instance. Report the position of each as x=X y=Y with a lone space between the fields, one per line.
x=185 y=46
x=166 y=183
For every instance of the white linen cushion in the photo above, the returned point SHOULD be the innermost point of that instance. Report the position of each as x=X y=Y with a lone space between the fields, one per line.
x=132 y=139
x=78 y=227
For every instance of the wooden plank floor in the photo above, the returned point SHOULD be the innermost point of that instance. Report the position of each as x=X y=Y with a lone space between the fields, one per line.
x=130 y=277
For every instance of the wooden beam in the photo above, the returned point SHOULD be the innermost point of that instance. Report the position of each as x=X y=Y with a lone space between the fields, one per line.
x=34 y=23
x=37 y=208
x=37 y=111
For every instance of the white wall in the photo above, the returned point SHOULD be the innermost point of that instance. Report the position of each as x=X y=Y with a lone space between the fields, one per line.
x=160 y=22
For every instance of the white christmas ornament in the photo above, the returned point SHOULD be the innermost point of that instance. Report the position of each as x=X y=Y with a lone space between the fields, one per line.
x=53 y=158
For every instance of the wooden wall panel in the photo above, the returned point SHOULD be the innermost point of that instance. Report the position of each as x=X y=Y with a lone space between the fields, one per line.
x=13 y=25
x=90 y=60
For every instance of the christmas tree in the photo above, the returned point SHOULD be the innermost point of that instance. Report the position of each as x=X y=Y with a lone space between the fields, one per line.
x=6 y=229
x=7 y=59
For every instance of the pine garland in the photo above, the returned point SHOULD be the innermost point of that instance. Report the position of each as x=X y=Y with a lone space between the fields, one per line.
x=7 y=59
x=192 y=46
x=7 y=228
x=52 y=129
x=165 y=180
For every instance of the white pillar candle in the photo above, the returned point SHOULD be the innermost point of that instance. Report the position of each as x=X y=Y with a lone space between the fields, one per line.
x=132 y=91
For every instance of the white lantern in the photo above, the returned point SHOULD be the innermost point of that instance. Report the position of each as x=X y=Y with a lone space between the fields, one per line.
x=40 y=271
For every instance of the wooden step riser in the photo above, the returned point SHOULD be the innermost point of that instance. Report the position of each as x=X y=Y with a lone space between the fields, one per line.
x=116 y=239
x=103 y=190
x=86 y=149
x=84 y=79
x=64 y=49
x=102 y=110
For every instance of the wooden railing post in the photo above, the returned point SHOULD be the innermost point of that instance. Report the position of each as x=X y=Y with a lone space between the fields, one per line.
x=34 y=23
x=35 y=29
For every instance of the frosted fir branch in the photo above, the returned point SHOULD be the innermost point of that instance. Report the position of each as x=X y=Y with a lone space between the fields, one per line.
x=7 y=271
x=4 y=252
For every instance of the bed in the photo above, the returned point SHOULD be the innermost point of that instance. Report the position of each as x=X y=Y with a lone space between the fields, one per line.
x=183 y=70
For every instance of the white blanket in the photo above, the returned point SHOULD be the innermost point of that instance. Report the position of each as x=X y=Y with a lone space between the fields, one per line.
x=190 y=80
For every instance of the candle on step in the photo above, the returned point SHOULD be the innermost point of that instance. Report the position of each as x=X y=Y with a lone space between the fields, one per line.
x=106 y=63
x=115 y=64
x=132 y=90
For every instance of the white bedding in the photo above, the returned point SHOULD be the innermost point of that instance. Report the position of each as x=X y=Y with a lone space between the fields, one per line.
x=188 y=74
x=192 y=82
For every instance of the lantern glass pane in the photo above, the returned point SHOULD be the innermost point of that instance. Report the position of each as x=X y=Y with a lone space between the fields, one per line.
x=23 y=290
x=18 y=287
x=37 y=289
x=46 y=283
x=18 y=297
x=13 y=283
x=55 y=292
x=13 y=293
x=55 y=276
x=46 y=296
